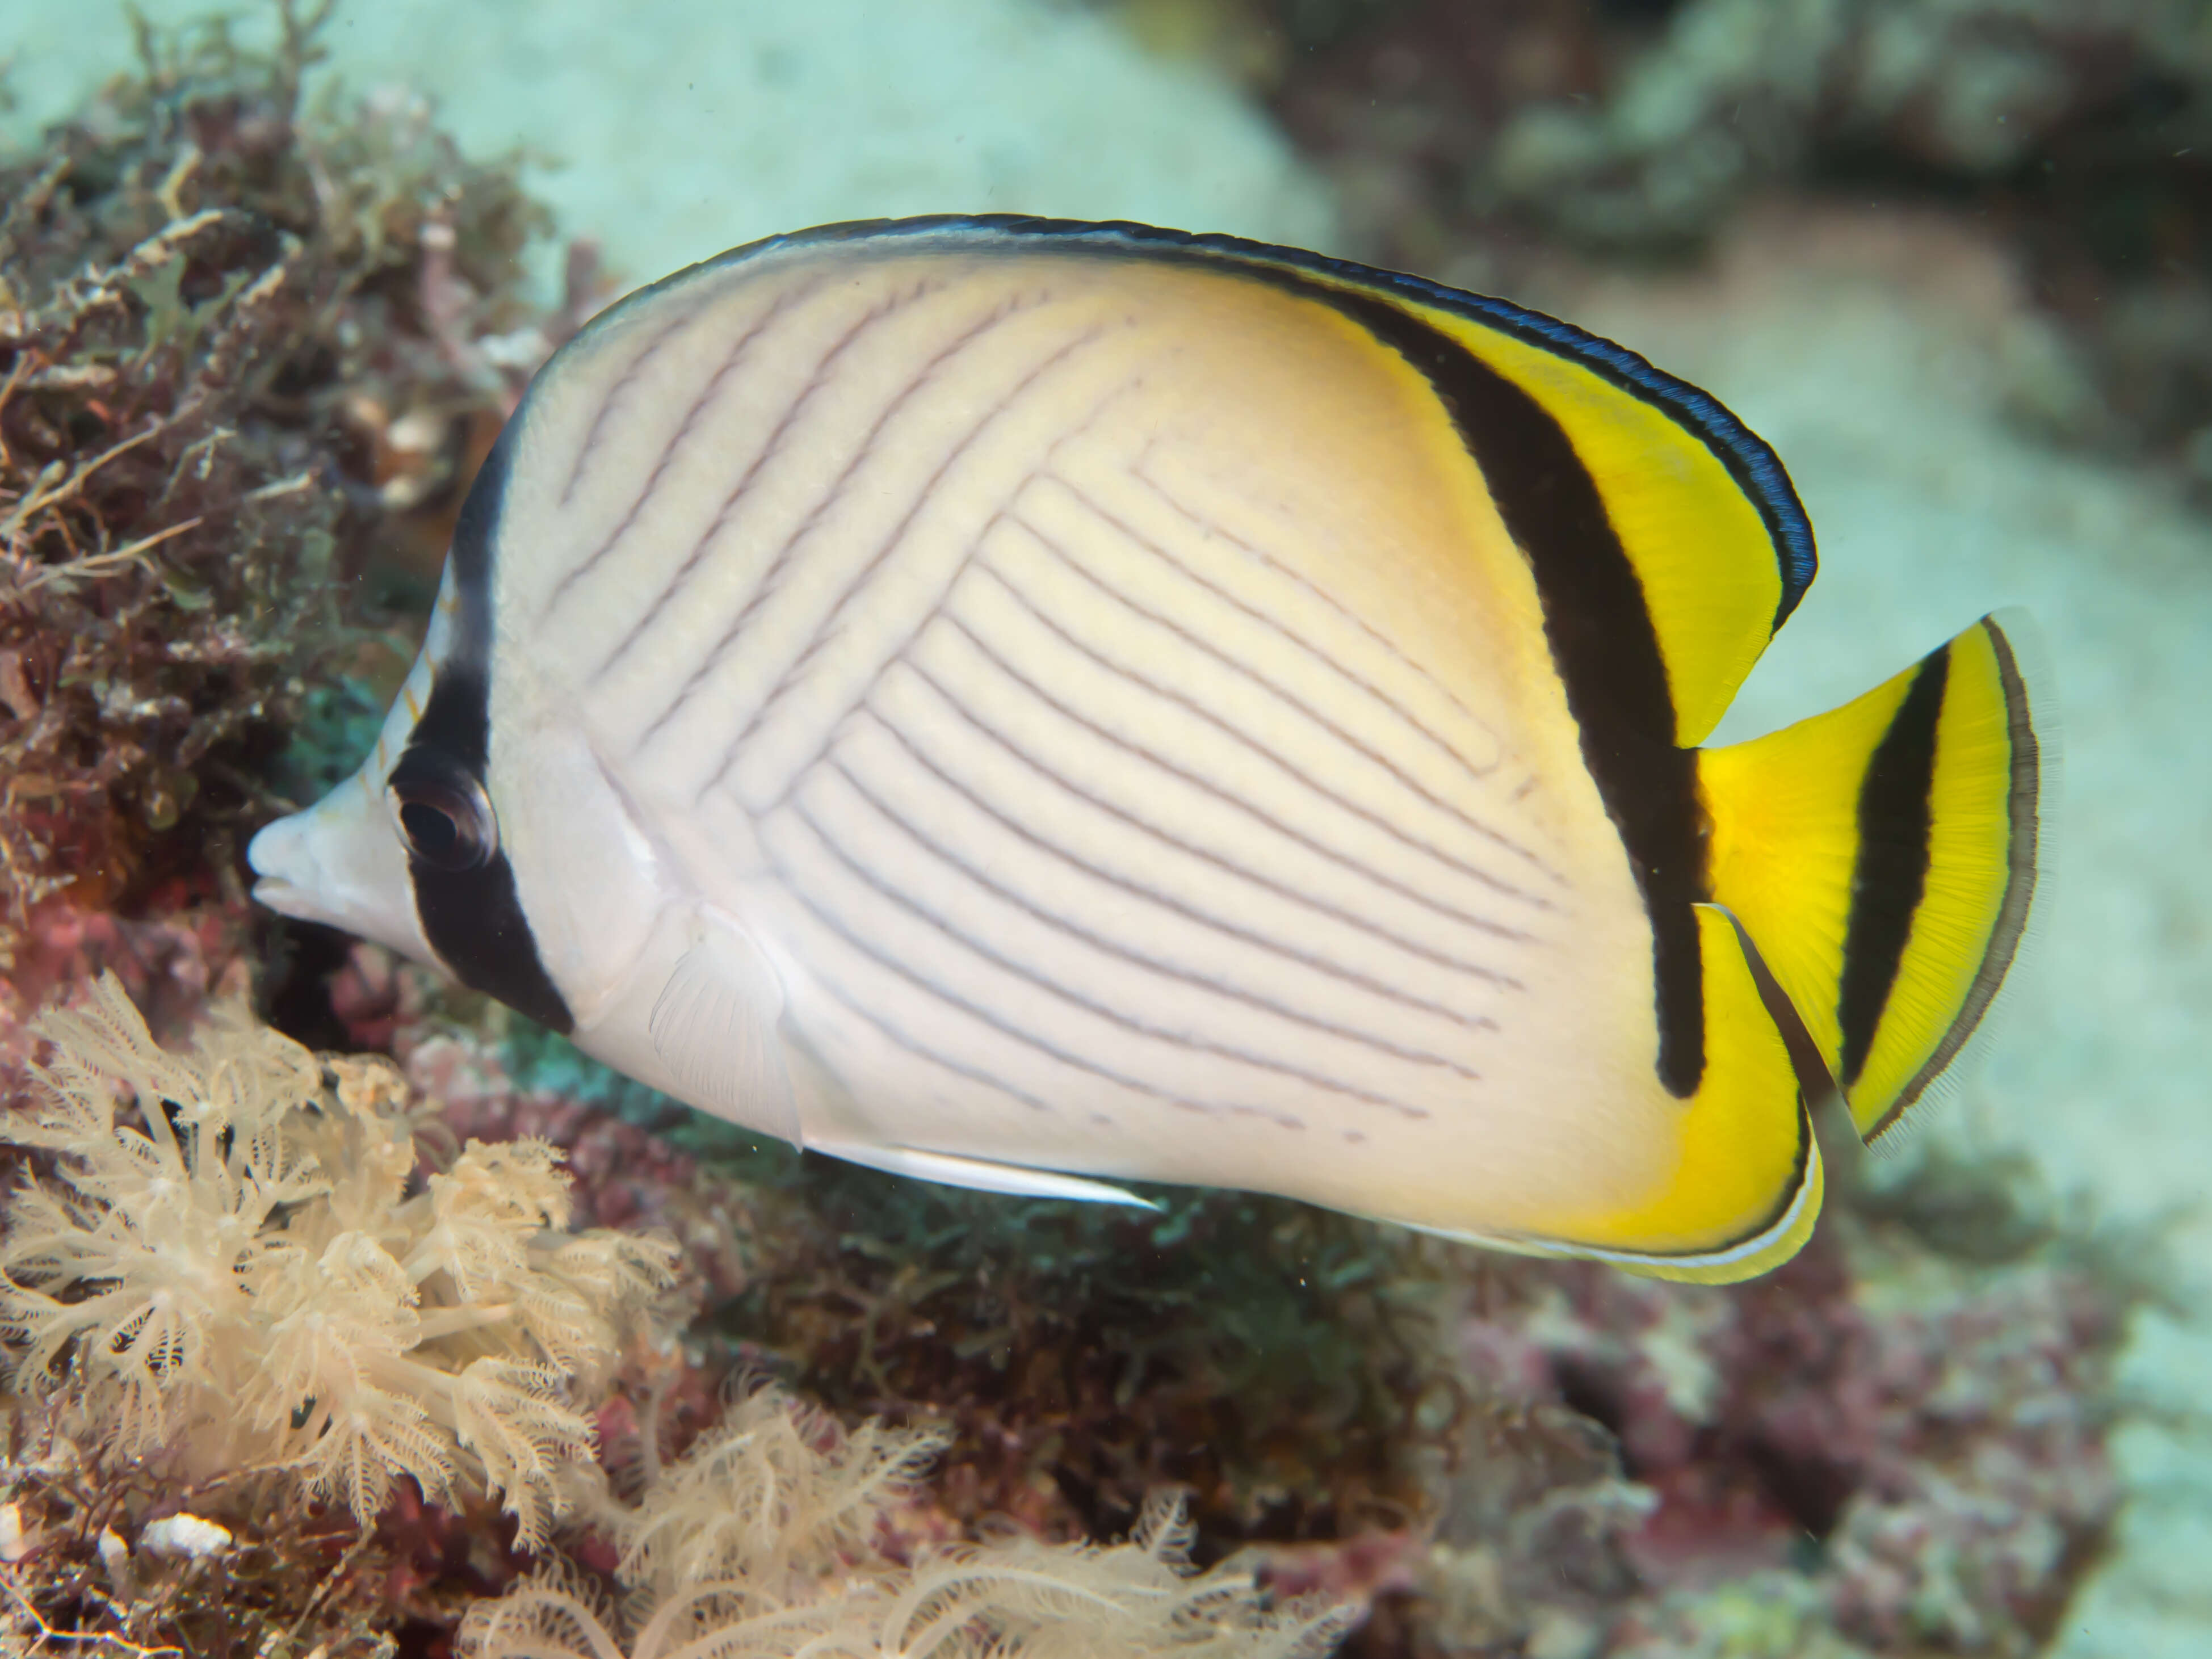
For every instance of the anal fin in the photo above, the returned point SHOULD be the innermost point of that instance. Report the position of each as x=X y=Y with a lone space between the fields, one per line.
x=715 y=1026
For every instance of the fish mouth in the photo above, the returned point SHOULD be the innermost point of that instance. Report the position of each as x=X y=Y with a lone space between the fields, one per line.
x=284 y=897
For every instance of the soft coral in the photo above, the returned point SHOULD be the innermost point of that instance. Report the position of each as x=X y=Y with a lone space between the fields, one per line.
x=769 y=1538
x=250 y=1276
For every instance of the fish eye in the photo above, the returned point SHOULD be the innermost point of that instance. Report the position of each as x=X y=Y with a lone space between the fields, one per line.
x=444 y=816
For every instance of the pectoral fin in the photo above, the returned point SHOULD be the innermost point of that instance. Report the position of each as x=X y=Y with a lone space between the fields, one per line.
x=714 y=1027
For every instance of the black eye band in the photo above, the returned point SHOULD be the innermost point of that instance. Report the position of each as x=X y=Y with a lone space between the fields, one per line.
x=444 y=816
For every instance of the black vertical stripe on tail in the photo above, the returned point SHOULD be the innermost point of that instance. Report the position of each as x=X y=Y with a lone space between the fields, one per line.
x=1603 y=642
x=1891 y=871
x=2024 y=834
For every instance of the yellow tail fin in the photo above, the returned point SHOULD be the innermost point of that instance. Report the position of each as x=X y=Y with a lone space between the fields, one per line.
x=1882 y=857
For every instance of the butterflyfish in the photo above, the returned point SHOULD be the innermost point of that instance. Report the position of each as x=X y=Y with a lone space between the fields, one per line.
x=1040 y=705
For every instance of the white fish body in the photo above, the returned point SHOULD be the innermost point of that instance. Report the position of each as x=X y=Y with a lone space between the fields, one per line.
x=1030 y=710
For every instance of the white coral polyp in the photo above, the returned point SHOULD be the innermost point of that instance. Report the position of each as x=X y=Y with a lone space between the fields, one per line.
x=184 y=1538
x=244 y=1277
x=759 y=1545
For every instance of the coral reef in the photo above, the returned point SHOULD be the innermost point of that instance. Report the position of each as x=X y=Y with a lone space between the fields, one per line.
x=245 y=1280
x=273 y=1373
x=248 y=352
x=188 y=945
x=248 y=1300
x=766 y=1539
x=1902 y=1436
x=1896 y=1445
x=1729 y=94
x=1291 y=1371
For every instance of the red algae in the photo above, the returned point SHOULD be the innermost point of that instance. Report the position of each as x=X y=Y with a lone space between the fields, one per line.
x=247 y=351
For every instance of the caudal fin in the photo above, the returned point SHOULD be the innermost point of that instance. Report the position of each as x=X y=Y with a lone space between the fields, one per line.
x=1883 y=857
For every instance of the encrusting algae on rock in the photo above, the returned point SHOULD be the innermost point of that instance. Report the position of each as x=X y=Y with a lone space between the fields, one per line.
x=247 y=349
x=1898 y=1441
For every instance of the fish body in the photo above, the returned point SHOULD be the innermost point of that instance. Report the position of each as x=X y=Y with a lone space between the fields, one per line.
x=1040 y=705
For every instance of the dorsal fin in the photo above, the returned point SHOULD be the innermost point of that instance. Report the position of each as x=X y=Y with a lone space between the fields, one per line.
x=1717 y=540
x=1702 y=507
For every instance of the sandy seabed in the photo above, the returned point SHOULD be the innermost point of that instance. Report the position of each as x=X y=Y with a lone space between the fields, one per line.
x=1876 y=354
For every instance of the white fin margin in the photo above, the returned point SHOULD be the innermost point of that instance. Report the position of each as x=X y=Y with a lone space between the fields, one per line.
x=949 y=1170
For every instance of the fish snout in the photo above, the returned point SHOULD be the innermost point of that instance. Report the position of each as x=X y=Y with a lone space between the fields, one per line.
x=340 y=863
x=282 y=856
